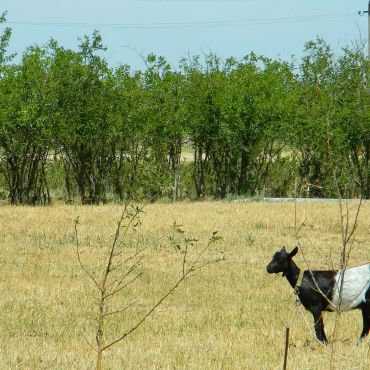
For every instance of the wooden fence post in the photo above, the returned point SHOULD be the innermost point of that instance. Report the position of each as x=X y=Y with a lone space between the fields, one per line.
x=286 y=347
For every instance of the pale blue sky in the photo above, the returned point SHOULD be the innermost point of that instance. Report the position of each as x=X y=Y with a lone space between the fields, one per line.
x=176 y=28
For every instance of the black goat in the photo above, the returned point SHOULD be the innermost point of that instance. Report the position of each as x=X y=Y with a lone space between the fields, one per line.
x=321 y=290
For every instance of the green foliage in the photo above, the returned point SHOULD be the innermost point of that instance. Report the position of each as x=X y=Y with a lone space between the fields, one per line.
x=71 y=127
x=4 y=42
x=24 y=128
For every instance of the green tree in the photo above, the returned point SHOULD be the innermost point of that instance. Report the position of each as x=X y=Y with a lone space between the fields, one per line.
x=308 y=130
x=4 y=42
x=352 y=120
x=24 y=128
x=83 y=116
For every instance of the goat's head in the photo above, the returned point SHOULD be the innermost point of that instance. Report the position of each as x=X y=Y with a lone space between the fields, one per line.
x=281 y=261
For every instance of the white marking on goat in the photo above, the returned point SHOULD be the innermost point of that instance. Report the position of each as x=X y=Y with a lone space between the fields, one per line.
x=356 y=283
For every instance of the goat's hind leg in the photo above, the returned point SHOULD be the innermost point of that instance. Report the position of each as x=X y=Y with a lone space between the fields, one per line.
x=365 y=309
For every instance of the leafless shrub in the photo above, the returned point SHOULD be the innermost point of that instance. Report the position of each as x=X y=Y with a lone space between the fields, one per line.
x=120 y=272
x=347 y=230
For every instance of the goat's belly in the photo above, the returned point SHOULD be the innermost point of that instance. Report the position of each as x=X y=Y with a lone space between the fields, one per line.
x=352 y=292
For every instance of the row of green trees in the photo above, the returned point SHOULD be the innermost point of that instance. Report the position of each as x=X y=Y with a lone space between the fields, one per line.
x=72 y=127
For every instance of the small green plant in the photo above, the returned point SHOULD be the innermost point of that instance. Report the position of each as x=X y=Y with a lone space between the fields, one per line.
x=120 y=272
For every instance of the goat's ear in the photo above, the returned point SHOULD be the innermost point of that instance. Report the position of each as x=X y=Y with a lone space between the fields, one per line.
x=293 y=252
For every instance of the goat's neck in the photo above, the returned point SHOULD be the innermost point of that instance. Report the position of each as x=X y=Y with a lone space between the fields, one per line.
x=292 y=274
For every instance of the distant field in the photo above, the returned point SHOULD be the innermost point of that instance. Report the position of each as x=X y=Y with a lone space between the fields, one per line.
x=229 y=316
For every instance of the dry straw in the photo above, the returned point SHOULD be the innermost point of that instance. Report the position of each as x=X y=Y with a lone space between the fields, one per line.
x=230 y=316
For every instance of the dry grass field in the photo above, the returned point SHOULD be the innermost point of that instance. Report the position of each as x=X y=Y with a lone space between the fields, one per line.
x=230 y=315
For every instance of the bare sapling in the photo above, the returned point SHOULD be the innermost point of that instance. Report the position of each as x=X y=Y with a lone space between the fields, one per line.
x=120 y=272
x=347 y=231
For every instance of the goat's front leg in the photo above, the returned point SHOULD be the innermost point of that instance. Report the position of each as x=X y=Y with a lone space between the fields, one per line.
x=319 y=326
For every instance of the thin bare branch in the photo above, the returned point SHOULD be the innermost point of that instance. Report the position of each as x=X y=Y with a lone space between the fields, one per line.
x=141 y=321
x=185 y=274
x=120 y=279
x=129 y=258
x=312 y=276
x=304 y=258
x=184 y=260
x=355 y=222
x=195 y=268
x=121 y=310
x=210 y=242
x=79 y=258
x=123 y=286
x=88 y=343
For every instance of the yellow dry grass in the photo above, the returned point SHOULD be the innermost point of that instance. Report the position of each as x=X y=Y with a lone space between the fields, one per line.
x=230 y=315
